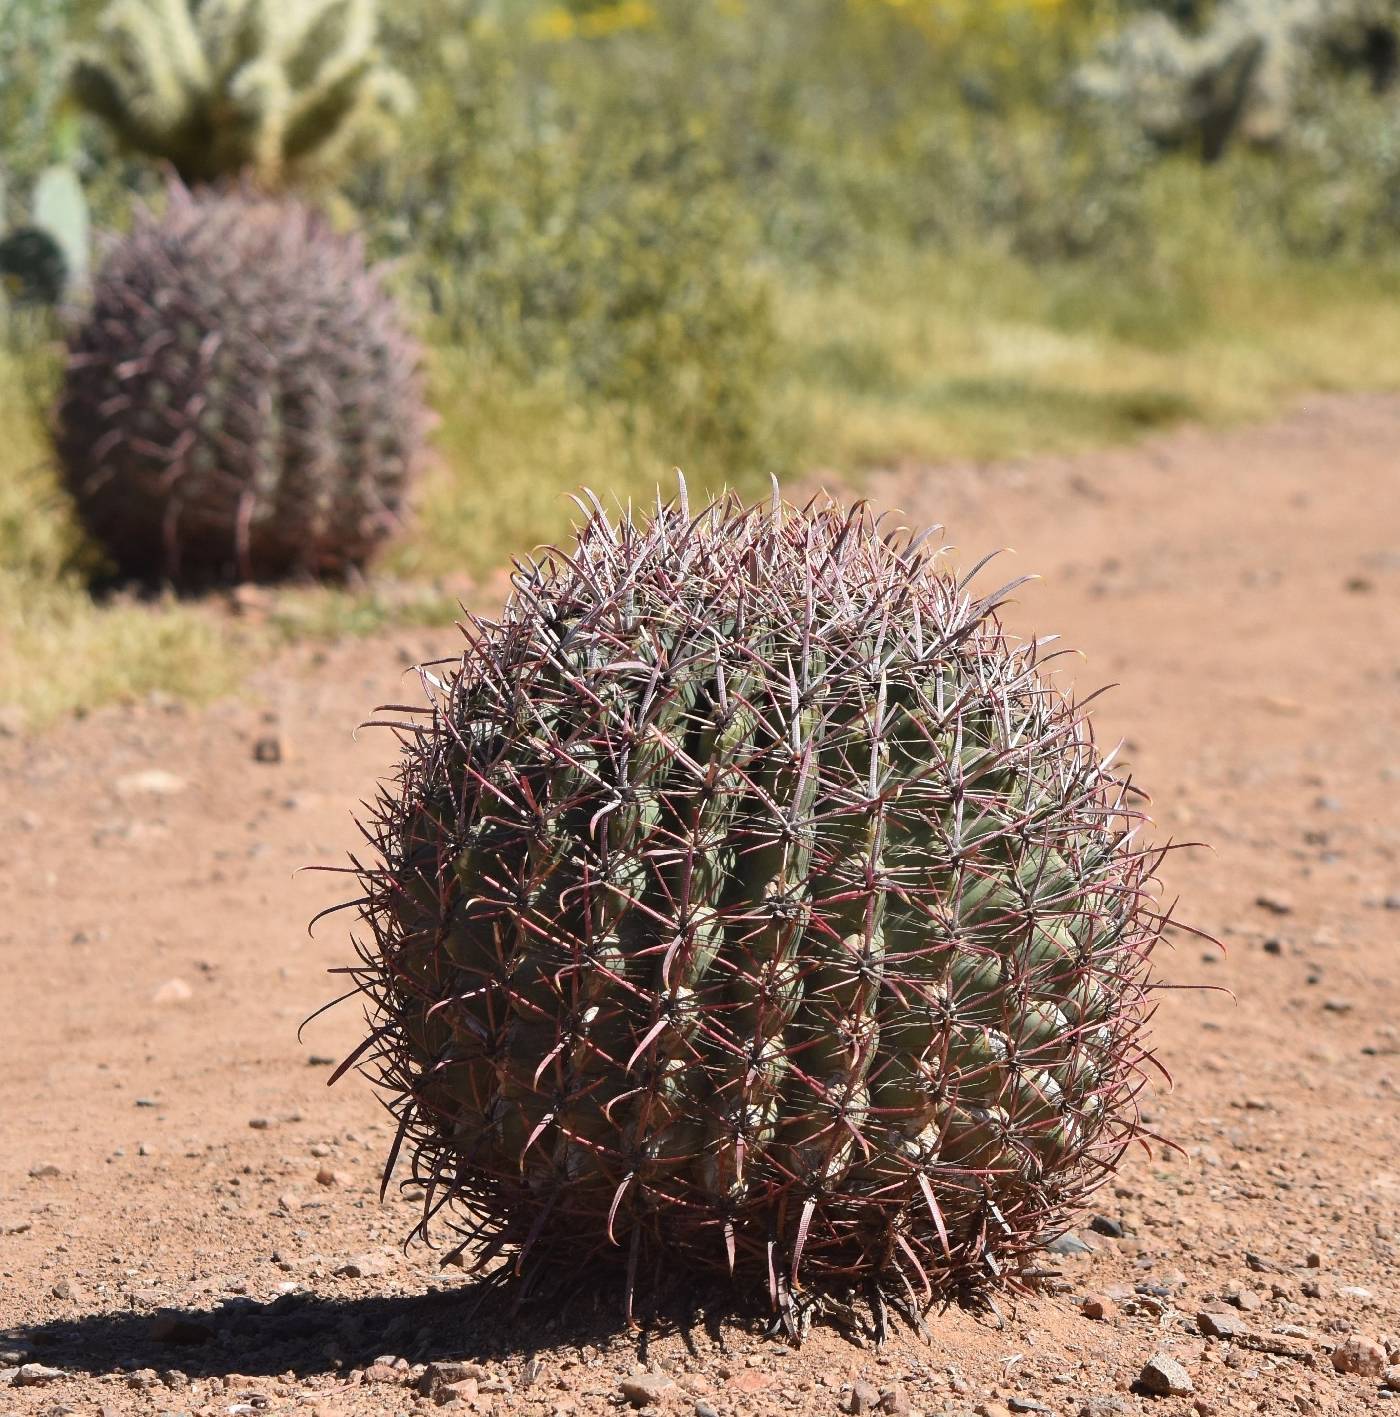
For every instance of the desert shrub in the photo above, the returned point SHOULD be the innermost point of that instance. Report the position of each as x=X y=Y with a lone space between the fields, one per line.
x=558 y=224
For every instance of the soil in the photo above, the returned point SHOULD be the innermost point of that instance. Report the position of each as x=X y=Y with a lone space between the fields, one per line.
x=191 y=1222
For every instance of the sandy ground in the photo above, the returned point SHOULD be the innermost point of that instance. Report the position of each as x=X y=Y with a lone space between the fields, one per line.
x=190 y=1221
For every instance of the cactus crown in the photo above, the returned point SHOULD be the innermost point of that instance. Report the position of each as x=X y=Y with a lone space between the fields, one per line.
x=220 y=87
x=748 y=902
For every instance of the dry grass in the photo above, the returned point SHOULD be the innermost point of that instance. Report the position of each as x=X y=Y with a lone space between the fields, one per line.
x=930 y=358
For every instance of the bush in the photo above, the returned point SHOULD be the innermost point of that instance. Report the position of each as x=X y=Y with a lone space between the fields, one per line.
x=554 y=224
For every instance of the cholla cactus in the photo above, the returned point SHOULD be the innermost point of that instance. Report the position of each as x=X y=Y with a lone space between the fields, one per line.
x=748 y=902
x=1241 y=74
x=241 y=400
x=220 y=87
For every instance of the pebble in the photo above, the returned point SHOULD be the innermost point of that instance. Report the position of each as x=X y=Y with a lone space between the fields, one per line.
x=1163 y=1376
x=1069 y=1244
x=1098 y=1306
x=861 y=1398
x=894 y=1401
x=1391 y=1378
x=1103 y=1407
x=1361 y=1356
x=36 y=1375
x=361 y=1267
x=1222 y=1325
x=154 y=782
x=705 y=1409
x=647 y=1389
x=1106 y=1225
x=44 y=1171
x=1275 y=904
x=751 y=1380
x=173 y=991
x=271 y=748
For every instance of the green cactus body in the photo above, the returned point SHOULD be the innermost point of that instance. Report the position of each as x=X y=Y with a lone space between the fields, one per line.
x=220 y=87
x=749 y=902
x=60 y=209
x=241 y=399
x=1240 y=75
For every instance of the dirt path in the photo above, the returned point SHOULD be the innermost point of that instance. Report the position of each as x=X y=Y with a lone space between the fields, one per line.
x=171 y=1161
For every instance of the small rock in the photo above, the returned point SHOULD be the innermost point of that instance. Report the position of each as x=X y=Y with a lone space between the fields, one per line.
x=44 y=1171
x=1027 y=1404
x=1106 y=1225
x=1222 y=1325
x=647 y=1389
x=705 y=1409
x=895 y=1401
x=448 y=1373
x=1069 y=1244
x=259 y=1124
x=1338 y=1006
x=1273 y=947
x=361 y=1267
x=992 y=1409
x=1163 y=1376
x=1245 y=1299
x=751 y=1380
x=1098 y=1306
x=173 y=991
x=1103 y=1407
x=154 y=782
x=271 y=748
x=382 y=1373
x=326 y=1177
x=1391 y=1378
x=861 y=1398
x=1361 y=1356
x=1275 y=904
x=66 y=1289
x=37 y=1375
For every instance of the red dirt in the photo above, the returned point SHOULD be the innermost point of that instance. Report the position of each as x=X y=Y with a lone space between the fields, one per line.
x=1245 y=590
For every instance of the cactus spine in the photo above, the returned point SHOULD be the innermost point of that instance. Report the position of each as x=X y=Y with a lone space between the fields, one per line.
x=748 y=903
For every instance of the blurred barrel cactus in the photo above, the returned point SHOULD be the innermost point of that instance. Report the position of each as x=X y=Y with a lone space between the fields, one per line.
x=748 y=902
x=223 y=87
x=241 y=399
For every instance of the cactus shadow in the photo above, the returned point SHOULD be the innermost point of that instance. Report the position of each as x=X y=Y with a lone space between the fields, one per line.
x=307 y=1334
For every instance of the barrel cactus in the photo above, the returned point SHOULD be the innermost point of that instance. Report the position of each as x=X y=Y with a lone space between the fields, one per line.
x=241 y=400
x=747 y=902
